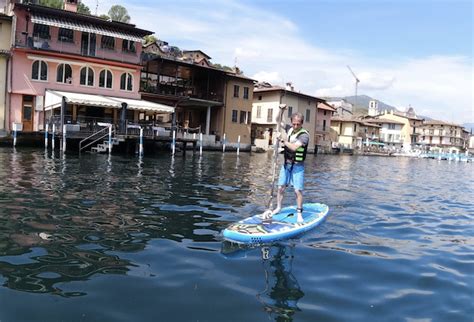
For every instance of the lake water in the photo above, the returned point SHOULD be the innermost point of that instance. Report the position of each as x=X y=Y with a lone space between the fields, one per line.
x=100 y=238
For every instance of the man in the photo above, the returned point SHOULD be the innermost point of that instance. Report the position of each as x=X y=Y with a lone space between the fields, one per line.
x=292 y=171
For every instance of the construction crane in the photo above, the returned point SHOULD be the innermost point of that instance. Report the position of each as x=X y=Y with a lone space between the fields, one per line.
x=357 y=81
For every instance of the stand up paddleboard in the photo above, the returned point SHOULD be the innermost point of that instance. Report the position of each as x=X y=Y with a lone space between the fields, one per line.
x=257 y=230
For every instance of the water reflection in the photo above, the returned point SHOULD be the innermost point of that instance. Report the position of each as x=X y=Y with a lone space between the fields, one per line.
x=282 y=292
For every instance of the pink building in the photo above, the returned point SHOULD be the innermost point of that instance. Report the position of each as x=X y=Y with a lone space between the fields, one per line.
x=323 y=125
x=91 y=63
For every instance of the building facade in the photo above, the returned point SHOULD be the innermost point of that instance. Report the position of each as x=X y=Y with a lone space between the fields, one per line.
x=208 y=100
x=5 y=59
x=410 y=127
x=265 y=111
x=448 y=137
x=92 y=63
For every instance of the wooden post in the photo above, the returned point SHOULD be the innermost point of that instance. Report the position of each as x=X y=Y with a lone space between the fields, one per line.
x=238 y=145
x=200 y=143
x=46 y=136
x=223 y=143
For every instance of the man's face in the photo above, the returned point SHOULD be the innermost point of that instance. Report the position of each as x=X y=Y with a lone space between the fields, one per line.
x=296 y=123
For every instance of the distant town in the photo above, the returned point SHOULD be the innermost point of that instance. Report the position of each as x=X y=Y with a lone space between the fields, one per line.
x=96 y=84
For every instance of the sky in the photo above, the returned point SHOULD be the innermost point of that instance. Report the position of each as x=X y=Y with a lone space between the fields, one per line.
x=416 y=53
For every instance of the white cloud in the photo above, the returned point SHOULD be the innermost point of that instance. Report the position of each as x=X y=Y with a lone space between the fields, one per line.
x=270 y=47
x=271 y=77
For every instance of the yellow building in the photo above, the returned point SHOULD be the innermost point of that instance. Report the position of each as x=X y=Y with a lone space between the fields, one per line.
x=346 y=132
x=409 y=134
x=265 y=110
x=5 y=45
x=236 y=118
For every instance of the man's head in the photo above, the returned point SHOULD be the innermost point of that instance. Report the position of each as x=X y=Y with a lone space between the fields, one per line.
x=297 y=120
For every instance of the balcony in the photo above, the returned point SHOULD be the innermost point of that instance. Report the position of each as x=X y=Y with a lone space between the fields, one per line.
x=47 y=43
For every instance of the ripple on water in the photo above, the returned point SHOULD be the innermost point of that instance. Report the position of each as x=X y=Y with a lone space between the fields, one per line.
x=135 y=237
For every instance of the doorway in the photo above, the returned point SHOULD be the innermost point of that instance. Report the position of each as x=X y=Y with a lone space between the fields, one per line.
x=27 y=113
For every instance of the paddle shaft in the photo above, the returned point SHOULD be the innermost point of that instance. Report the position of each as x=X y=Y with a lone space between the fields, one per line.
x=275 y=155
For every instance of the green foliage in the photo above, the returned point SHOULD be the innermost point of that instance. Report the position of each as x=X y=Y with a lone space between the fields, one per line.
x=119 y=13
x=104 y=16
x=58 y=4
x=149 y=39
x=82 y=8
x=223 y=67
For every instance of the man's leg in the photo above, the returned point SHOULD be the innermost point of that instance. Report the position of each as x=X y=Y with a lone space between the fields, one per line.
x=298 y=182
x=281 y=193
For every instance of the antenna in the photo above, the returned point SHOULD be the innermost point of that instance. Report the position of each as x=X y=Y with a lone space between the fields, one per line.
x=357 y=81
x=96 y=6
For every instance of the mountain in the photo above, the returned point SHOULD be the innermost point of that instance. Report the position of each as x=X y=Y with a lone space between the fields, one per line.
x=362 y=106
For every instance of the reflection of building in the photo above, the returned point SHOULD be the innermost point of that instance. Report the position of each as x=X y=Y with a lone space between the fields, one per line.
x=282 y=291
x=5 y=59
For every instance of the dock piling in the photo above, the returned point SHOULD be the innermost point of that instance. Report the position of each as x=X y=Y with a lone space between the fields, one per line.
x=141 y=141
x=46 y=136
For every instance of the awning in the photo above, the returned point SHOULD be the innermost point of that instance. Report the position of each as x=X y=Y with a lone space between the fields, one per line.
x=53 y=100
x=83 y=26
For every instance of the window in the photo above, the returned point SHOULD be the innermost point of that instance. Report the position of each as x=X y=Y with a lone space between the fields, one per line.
x=41 y=31
x=126 y=82
x=66 y=35
x=128 y=46
x=290 y=111
x=243 y=115
x=270 y=115
x=87 y=76
x=236 y=90
x=355 y=127
x=324 y=125
x=105 y=79
x=249 y=117
x=325 y=112
x=64 y=74
x=39 y=71
x=308 y=115
x=234 y=116
x=259 y=97
x=259 y=112
x=107 y=42
x=391 y=126
x=246 y=92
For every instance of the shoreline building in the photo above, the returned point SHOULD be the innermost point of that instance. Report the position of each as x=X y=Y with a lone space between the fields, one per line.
x=343 y=108
x=208 y=100
x=75 y=69
x=265 y=110
x=448 y=137
x=5 y=61
x=410 y=129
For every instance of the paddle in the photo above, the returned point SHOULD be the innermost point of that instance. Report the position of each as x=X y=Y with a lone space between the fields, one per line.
x=275 y=159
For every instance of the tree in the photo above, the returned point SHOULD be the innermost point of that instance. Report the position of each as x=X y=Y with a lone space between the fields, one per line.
x=104 y=16
x=82 y=8
x=119 y=13
x=149 y=39
x=58 y=4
